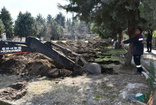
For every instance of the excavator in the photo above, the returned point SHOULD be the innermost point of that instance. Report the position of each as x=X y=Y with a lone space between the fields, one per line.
x=34 y=45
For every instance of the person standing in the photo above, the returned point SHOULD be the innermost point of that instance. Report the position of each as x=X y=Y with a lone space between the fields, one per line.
x=137 y=49
x=149 y=42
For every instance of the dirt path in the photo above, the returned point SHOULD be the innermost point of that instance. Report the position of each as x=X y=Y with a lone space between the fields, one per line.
x=104 y=89
x=149 y=58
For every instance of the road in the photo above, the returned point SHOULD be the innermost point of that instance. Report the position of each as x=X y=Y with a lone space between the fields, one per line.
x=149 y=57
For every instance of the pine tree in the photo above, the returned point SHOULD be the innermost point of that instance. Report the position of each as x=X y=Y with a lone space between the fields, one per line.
x=7 y=21
x=2 y=27
x=49 y=19
x=60 y=19
x=41 y=26
x=57 y=31
x=148 y=12
x=25 y=25
x=40 y=19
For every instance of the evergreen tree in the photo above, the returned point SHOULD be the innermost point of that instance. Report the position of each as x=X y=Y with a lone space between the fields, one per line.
x=41 y=26
x=49 y=19
x=148 y=12
x=2 y=27
x=7 y=21
x=60 y=19
x=54 y=30
x=82 y=28
x=57 y=31
x=25 y=25
x=40 y=19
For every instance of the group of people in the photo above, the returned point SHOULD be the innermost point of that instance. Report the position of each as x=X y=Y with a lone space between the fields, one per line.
x=138 y=48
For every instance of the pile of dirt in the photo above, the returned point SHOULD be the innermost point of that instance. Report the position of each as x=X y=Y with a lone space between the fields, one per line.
x=32 y=64
x=87 y=49
x=14 y=92
x=83 y=46
x=38 y=64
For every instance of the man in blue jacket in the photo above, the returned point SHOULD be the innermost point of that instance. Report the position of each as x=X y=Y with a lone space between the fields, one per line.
x=137 y=48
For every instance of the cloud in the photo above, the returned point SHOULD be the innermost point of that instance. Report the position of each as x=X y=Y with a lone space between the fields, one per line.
x=35 y=7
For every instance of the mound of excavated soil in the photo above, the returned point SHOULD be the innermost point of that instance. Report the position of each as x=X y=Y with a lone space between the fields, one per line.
x=82 y=46
x=38 y=64
x=32 y=64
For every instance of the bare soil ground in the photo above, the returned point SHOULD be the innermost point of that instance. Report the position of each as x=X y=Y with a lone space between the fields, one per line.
x=34 y=79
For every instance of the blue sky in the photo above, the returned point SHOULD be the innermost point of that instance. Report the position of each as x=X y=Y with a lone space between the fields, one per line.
x=35 y=7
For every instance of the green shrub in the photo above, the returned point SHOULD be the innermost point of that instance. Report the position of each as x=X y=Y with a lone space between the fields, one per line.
x=150 y=82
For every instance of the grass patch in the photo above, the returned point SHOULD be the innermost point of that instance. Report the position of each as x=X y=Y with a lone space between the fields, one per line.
x=116 y=51
x=110 y=55
x=97 y=96
x=110 y=47
x=104 y=89
x=111 y=58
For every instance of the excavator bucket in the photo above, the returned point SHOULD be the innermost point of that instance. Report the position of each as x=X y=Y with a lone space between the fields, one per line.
x=93 y=68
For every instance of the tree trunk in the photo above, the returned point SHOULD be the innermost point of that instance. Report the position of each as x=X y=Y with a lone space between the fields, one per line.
x=119 y=39
x=128 y=58
x=115 y=37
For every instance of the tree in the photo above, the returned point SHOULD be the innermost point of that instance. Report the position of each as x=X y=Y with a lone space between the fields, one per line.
x=25 y=25
x=60 y=19
x=2 y=27
x=148 y=12
x=40 y=19
x=7 y=21
x=57 y=31
x=74 y=28
x=49 y=19
x=102 y=32
x=109 y=13
x=42 y=30
x=54 y=30
x=77 y=29
x=41 y=26
x=82 y=29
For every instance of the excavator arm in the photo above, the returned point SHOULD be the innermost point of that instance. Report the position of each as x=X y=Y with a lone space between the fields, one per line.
x=34 y=45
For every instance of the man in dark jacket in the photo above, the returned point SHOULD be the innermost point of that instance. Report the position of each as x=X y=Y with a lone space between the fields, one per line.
x=149 y=42
x=138 y=48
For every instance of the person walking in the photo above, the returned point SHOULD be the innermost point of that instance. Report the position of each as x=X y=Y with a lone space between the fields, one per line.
x=137 y=49
x=149 y=42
